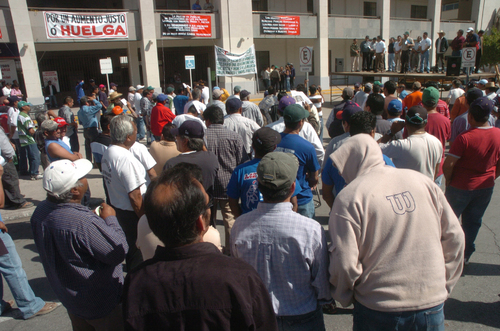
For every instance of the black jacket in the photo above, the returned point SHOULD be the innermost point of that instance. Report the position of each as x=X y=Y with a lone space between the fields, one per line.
x=444 y=45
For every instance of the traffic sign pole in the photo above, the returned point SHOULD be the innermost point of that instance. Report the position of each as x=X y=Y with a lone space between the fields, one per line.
x=190 y=78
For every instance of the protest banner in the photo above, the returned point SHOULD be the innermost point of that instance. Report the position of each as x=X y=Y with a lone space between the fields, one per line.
x=65 y=25
x=230 y=64
x=287 y=25
x=176 y=25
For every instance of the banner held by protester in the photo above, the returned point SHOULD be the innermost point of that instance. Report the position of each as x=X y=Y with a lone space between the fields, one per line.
x=231 y=64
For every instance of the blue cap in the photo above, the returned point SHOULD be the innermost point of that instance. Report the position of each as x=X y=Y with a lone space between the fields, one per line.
x=233 y=104
x=161 y=97
x=395 y=106
x=403 y=94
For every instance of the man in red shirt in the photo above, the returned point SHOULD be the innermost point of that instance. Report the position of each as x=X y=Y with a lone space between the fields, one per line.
x=471 y=168
x=458 y=43
x=160 y=115
x=437 y=124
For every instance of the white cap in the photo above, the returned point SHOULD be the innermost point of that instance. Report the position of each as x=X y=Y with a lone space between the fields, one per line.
x=131 y=89
x=139 y=87
x=483 y=81
x=470 y=29
x=62 y=175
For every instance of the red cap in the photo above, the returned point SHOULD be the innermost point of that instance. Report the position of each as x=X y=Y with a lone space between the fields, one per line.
x=101 y=86
x=60 y=122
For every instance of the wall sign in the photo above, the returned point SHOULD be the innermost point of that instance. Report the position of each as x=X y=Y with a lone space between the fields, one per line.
x=174 y=25
x=287 y=25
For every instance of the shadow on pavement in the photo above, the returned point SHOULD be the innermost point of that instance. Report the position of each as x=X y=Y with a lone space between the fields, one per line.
x=20 y=230
x=485 y=313
x=42 y=289
x=481 y=269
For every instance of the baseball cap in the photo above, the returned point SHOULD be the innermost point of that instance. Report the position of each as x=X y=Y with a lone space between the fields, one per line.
x=170 y=89
x=277 y=170
x=161 y=97
x=139 y=87
x=22 y=104
x=60 y=122
x=150 y=88
x=473 y=94
x=217 y=93
x=13 y=99
x=483 y=81
x=237 y=89
x=101 y=86
x=91 y=81
x=395 y=106
x=266 y=138
x=117 y=110
x=286 y=101
x=244 y=94
x=369 y=86
x=377 y=82
x=482 y=105
x=348 y=92
x=294 y=113
x=233 y=104
x=417 y=115
x=349 y=110
x=403 y=94
x=113 y=85
x=191 y=129
x=407 y=33
x=131 y=89
x=430 y=96
x=470 y=29
x=357 y=85
x=49 y=125
x=62 y=175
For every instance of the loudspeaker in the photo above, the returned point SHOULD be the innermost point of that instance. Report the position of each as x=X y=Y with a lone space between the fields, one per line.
x=453 y=65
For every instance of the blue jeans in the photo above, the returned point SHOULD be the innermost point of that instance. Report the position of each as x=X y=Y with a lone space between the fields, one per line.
x=141 y=128
x=33 y=158
x=307 y=209
x=11 y=269
x=471 y=205
x=52 y=101
x=306 y=322
x=321 y=129
x=365 y=319
x=288 y=84
x=391 y=62
x=424 y=61
x=456 y=53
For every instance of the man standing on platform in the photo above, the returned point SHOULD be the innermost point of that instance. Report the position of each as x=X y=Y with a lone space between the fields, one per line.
x=355 y=56
x=441 y=48
x=458 y=43
x=379 y=48
x=479 y=52
x=406 y=43
x=365 y=50
x=425 y=46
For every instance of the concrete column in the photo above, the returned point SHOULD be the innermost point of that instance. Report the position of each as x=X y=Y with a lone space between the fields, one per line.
x=235 y=22
x=148 y=45
x=133 y=62
x=434 y=14
x=320 y=50
x=27 y=52
x=384 y=12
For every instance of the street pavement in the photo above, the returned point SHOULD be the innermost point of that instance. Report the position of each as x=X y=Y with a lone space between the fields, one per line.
x=473 y=305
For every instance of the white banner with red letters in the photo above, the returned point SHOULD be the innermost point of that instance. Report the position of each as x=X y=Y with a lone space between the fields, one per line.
x=85 y=25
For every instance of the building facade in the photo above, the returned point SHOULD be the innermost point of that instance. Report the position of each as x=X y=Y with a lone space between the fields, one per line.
x=147 y=40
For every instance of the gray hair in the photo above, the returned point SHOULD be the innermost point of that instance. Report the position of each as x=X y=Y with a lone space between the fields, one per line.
x=196 y=93
x=40 y=117
x=66 y=196
x=83 y=100
x=121 y=126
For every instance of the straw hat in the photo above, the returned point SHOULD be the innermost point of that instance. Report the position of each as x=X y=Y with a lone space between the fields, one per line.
x=114 y=95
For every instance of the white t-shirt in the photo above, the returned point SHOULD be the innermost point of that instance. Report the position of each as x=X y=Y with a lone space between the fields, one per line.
x=454 y=94
x=420 y=152
x=426 y=44
x=397 y=48
x=205 y=95
x=122 y=174
x=380 y=47
x=142 y=154
x=6 y=91
x=13 y=114
x=200 y=106
x=137 y=103
x=179 y=119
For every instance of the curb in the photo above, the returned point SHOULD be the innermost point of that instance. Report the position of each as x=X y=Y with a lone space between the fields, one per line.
x=13 y=215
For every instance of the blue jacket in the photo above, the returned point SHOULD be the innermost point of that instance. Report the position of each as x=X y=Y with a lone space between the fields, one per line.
x=79 y=91
x=86 y=115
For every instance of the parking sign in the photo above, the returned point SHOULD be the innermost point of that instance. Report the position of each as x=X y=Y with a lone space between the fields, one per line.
x=468 y=57
x=189 y=59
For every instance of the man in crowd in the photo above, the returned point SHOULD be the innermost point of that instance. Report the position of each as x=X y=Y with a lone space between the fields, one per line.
x=160 y=115
x=291 y=142
x=165 y=149
x=333 y=124
x=375 y=105
x=81 y=252
x=72 y=131
x=228 y=147
x=189 y=140
x=139 y=121
x=88 y=119
x=414 y=98
x=249 y=109
x=354 y=55
x=230 y=293
x=479 y=53
x=425 y=46
x=460 y=106
x=455 y=93
x=125 y=178
x=170 y=98
x=181 y=99
x=13 y=134
x=471 y=168
x=216 y=95
x=102 y=142
x=441 y=44
x=378 y=246
x=234 y=121
x=26 y=129
x=361 y=96
x=289 y=251
x=458 y=43
x=191 y=115
x=145 y=106
x=50 y=92
x=389 y=92
x=195 y=101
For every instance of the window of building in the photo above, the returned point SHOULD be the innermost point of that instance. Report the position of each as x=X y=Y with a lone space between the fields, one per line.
x=259 y=5
x=172 y=4
x=104 y=4
x=450 y=6
x=370 y=8
x=418 y=11
x=310 y=6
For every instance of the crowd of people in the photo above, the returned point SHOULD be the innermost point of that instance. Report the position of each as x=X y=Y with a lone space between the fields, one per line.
x=282 y=79
x=406 y=54
x=383 y=175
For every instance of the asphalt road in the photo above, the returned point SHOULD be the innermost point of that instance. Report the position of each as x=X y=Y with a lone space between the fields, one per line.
x=473 y=305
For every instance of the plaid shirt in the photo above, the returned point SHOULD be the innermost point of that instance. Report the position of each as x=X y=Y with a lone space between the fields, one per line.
x=442 y=108
x=290 y=254
x=228 y=146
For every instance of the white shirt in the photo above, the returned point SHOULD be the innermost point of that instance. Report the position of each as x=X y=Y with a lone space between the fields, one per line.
x=307 y=132
x=122 y=174
x=243 y=126
x=142 y=154
x=491 y=96
x=360 y=98
x=205 y=95
x=425 y=44
x=131 y=98
x=420 y=152
x=380 y=47
x=397 y=48
x=454 y=94
x=179 y=119
x=6 y=91
x=137 y=103
x=200 y=106
x=13 y=113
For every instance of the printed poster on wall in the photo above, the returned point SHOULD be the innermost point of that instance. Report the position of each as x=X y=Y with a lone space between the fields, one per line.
x=52 y=76
x=175 y=25
x=287 y=25
x=65 y=25
x=9 y=71
x=230 y=64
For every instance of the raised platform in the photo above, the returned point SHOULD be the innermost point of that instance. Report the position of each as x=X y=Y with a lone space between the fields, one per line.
x=412 y=76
